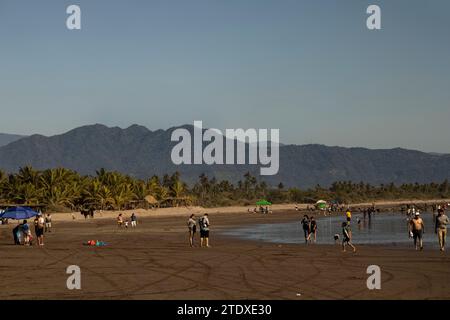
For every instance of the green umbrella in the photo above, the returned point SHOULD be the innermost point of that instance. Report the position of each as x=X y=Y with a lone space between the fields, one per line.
x=321 y=204
x=263 y=203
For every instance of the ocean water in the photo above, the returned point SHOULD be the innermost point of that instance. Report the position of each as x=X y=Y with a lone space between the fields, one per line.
x=381 y=229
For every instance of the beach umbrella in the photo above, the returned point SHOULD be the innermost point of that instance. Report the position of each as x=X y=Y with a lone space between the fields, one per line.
x=321 y=204
x=18 y=213
x=263 y=203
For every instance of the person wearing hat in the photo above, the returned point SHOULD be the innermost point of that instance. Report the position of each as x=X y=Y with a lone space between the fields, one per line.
x=416 y=230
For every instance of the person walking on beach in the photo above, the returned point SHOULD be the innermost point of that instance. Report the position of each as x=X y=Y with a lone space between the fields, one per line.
x=416 y=230
x=39 y=225
x=48 y=223
x=120 y=221
x=441 y=228
x=347 y=236
x=133 y=220
x=192 y=227
x=313 y=229
x=306 y=227
x=204 y=231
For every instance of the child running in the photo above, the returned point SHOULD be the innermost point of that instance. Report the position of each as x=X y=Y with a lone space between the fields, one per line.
x=347 y=236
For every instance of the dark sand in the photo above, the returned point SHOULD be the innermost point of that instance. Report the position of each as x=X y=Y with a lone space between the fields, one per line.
x=155 y=262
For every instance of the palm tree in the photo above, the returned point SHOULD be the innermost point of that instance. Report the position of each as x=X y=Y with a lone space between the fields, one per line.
x=26 y=194
x=104 y=197
x=28 y=175
x=122 y=195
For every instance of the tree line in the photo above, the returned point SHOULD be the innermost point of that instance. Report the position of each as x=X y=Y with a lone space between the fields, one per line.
x=62 y=189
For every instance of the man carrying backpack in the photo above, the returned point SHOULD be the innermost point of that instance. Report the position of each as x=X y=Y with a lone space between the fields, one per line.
x=204 y=230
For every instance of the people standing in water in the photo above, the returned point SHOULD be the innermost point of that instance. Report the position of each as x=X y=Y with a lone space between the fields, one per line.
x=416 y=230
x=204 y=231
x=39 y=226
x=348 y=215
x=441 y=228
x=306 y=227
x=347 y=236
x=312 y=229
x=358 y=221
x=192 y=227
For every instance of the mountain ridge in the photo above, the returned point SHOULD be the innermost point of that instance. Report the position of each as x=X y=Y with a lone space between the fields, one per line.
x=141 y=153
x=7 y=138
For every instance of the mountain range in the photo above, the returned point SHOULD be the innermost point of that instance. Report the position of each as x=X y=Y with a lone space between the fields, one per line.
x=8 y=138
x=140 y=152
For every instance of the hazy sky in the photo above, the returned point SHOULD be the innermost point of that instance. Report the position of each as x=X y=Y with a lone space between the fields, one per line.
x=310 y=68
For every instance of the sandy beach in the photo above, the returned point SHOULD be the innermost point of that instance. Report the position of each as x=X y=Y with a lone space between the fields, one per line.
x=154 y=261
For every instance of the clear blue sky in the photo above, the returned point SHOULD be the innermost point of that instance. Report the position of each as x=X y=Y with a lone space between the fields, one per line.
x=310 y=68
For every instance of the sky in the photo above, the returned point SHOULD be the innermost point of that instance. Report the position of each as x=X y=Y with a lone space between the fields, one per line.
x=310 y=68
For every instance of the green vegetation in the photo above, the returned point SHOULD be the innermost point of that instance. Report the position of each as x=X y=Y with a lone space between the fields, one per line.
x=62 y=190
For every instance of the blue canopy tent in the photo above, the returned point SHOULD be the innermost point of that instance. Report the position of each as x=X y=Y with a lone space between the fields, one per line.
x=18 y=213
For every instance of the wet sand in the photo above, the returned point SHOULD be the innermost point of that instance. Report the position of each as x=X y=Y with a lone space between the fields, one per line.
x=154 y=261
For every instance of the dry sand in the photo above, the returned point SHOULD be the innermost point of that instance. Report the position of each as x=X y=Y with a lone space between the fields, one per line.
x=155 y=262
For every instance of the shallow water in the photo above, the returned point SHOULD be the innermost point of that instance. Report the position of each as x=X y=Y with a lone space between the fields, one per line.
x=382 y=229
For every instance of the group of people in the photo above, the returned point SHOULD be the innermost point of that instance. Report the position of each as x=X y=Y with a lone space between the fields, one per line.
x=261 y=209
x=125 y=222
x=203 y=223
x=416 y=228
x=309 y=226
x=22 y=232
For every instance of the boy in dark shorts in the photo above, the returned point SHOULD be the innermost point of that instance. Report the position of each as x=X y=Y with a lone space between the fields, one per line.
x=347 y=236
x=204 y=230
x=416 y=230
x=39 y=226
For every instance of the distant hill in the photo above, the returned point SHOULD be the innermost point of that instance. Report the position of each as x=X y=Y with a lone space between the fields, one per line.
x=8 y=138
x=139 y=152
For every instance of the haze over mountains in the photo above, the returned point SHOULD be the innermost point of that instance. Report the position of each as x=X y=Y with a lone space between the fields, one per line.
x=139 y=152
x=8 y=138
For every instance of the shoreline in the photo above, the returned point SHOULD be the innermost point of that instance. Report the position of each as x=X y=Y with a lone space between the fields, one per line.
x=185 y=211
